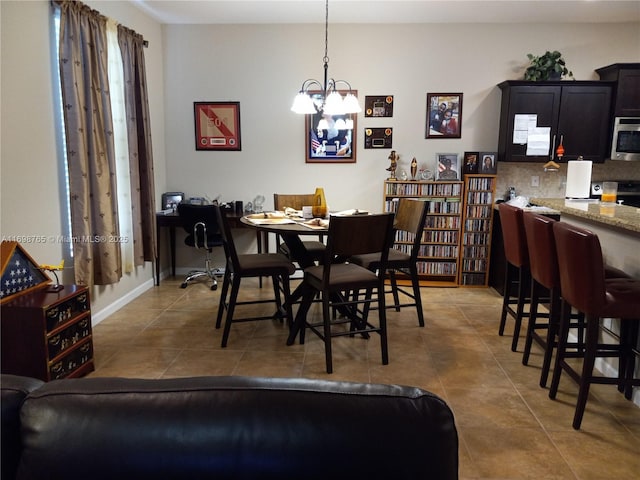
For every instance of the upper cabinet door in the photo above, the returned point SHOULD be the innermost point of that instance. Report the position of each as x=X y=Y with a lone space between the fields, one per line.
x=578 y=113
x=584 y=122
x=542 y=101
x=627 y=89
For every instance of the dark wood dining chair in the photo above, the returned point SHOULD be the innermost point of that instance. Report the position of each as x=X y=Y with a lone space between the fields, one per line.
x=408 y=230
x=297 y=201
x=334 y=278
x=239 y=266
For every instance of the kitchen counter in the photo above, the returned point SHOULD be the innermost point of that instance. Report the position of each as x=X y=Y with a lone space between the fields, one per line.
x=618 y=216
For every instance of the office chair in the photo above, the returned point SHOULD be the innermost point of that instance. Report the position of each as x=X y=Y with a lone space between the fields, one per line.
x=201 y=225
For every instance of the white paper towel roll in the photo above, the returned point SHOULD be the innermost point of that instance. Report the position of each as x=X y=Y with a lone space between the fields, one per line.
x=578 y=179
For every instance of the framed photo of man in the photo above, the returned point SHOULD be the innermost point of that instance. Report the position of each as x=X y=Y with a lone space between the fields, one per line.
x=470 y=163
x=444 y=115
x=448 y=167
x=488 y=163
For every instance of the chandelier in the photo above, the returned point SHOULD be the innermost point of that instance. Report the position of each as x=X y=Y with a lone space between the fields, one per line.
x=329 y=101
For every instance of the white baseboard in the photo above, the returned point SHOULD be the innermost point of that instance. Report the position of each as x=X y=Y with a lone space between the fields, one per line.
x=97 y=317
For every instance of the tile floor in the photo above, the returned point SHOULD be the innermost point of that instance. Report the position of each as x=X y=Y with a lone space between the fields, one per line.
x=508 y=427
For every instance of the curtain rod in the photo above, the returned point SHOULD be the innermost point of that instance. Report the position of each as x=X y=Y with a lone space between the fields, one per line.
x=145 y=43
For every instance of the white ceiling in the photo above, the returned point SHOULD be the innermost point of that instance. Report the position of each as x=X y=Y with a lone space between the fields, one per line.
x=391 y=11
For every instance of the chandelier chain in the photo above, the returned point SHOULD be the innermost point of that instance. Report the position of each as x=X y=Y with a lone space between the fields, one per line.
x=326 y=32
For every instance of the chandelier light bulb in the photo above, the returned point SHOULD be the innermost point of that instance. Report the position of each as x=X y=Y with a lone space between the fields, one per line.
x=303 y=104
x=350 y=104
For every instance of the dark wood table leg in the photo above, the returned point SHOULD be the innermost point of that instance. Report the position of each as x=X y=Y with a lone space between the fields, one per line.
x=172 y=246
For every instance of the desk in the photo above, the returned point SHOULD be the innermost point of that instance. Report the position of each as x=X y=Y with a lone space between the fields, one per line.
x=171 y=221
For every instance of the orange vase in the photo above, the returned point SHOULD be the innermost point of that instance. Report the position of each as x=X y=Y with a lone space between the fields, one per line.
x=319 y=207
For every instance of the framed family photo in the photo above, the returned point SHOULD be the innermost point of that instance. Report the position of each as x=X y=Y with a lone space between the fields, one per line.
x=444 y=115
x=488 y=163
x=448 y=167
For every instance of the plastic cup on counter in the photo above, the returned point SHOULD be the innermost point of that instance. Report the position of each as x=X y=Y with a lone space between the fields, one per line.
x=609 y=192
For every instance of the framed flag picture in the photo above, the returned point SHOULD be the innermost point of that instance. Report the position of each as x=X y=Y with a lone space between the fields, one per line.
x=217 y=125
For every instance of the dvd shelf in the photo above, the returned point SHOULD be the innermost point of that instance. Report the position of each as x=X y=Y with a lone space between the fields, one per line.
x=438 y=259
x=479 y=195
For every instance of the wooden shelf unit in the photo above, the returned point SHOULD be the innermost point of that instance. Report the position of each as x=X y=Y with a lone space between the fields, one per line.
x=479 y=195
x=439 y=259
x=47 y=335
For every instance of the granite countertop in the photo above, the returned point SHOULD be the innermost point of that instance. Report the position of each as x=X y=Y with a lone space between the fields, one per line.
x=620 y=216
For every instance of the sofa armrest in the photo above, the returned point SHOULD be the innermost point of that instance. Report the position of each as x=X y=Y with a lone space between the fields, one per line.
x=13 y=390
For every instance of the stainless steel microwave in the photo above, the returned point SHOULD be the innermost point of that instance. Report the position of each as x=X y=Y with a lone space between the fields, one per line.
x=626 y=139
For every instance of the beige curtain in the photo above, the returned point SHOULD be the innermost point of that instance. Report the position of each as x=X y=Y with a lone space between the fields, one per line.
x=139 y=137
x=89 y=143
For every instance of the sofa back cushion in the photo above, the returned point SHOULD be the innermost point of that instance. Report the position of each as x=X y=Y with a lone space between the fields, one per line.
x=235 y=428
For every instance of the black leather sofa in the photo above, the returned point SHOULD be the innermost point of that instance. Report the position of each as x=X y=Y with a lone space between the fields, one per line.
x=223 y=428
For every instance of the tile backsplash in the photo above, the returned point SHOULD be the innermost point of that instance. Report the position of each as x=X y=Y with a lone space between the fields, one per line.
x=552 y=184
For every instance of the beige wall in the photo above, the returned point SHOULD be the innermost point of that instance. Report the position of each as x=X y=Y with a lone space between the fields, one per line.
x=263 y=66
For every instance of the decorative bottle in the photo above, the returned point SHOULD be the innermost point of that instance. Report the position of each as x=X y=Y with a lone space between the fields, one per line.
x=319 y=207
x=414 y=168
x=560 y=149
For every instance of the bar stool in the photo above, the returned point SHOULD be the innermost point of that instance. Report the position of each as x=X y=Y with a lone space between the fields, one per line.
x=584 y=287
x=545 y=279
x=517 y=275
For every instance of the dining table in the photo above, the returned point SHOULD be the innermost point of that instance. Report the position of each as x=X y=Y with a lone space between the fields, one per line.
x=291 y=229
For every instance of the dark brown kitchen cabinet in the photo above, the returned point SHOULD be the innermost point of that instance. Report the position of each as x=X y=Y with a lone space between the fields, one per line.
x=627 y=97
x=578 y=112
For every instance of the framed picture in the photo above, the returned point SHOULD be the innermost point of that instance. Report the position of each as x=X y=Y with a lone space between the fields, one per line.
x=470 y=163
x=488 y=163
x=448 y=167
x=444 y=115
x=217 y=125
x=330 y=138
x=378 y=137
x=378 y=106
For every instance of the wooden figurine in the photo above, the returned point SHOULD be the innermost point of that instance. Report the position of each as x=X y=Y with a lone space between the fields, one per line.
x=393 y=156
